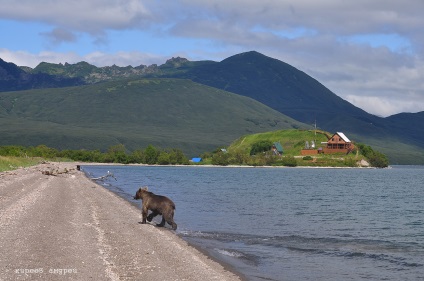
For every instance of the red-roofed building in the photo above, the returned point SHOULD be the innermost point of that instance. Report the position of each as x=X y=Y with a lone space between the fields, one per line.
x=338 y=143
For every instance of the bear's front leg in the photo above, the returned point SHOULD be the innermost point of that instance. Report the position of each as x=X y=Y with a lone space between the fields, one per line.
x=144 y=216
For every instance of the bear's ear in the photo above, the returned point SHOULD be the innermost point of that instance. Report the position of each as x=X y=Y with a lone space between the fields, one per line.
x=144 y=188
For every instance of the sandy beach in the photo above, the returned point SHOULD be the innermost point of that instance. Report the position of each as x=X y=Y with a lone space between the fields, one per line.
x=66 y=227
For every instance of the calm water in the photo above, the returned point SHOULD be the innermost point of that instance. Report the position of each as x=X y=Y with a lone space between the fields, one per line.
x=294 y=223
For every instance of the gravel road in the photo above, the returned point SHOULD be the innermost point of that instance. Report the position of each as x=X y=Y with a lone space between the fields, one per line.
x=66 y=227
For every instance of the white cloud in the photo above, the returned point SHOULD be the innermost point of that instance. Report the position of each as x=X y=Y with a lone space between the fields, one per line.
x=367 y=52
x=91 y=16
x=332 y=16
x=123 y=59
x=23 y=58
x=59 y=35
x=385 y=107
x=328 y=16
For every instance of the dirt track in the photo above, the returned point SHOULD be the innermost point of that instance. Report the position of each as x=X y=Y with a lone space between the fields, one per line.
x=65 y=227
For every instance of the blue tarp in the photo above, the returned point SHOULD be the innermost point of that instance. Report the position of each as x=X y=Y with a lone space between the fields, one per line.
x=196 y=159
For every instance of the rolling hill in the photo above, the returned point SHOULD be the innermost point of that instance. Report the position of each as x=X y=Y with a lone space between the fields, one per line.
x=273 y=83
x=168 y=113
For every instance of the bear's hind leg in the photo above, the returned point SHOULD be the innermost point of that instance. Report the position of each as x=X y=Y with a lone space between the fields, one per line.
x=174 y=225
x=170 y=220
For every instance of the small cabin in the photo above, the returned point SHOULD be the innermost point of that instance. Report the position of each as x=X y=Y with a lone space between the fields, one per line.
x=338 y=143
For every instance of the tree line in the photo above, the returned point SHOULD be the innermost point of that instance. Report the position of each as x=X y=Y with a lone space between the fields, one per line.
x=259 y=155
x=115 y=154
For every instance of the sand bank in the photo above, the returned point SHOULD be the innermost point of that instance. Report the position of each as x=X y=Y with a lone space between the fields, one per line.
x=66 y=227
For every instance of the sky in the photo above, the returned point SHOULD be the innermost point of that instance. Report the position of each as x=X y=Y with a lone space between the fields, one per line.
x=368 y=52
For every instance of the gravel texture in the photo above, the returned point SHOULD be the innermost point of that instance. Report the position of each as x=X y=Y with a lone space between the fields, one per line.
x=56 y=224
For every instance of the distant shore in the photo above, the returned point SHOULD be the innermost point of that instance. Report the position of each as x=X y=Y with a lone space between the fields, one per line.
x=56 y=224
x=220 y=166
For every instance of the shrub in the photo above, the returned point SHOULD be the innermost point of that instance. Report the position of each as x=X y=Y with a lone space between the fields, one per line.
x=379 y=160
x=375 y=158
x=163 y=158
x=151 y=155
x=260 y=146
x=115 y=154
x=137 y=156
x=220 y=159
x=238 y=158
x=13 y=150
x=350 y=162
x=289 y=161
x=44 y=151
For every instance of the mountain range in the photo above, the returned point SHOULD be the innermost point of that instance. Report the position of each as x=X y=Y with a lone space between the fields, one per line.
x=286 y=93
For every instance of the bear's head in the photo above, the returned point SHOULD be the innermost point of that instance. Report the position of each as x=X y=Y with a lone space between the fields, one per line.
x=140 y=192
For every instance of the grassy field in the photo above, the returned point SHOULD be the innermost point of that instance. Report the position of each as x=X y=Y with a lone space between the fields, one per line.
x=8 y=163
x=293 y=141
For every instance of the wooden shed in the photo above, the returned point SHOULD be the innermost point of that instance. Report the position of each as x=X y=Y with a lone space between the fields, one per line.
x=277 y=148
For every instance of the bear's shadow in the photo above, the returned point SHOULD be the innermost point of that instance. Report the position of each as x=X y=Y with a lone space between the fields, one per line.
x=150 y=223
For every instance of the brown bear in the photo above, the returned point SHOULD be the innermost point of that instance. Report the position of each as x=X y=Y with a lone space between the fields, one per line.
x=159 y=205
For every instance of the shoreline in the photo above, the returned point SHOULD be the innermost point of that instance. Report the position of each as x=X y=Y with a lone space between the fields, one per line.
x=228 y=267
x=63 y=225
x=227 y=166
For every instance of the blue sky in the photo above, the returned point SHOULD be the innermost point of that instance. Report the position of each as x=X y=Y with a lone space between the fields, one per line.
x=370 y=53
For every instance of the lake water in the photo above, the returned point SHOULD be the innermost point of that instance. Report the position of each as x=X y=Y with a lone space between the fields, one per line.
x=294 y=223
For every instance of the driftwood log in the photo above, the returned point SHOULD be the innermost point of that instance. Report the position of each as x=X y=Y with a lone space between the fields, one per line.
x=109 y=174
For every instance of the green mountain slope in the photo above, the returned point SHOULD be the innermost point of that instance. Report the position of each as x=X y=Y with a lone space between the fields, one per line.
x=13 y=78
x=163 y=112
x=296 y=94
x=409 y=124
x=91 y=74
x=269 y=81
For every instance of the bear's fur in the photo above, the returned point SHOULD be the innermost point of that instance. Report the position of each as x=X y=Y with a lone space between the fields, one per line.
x=159 y=205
